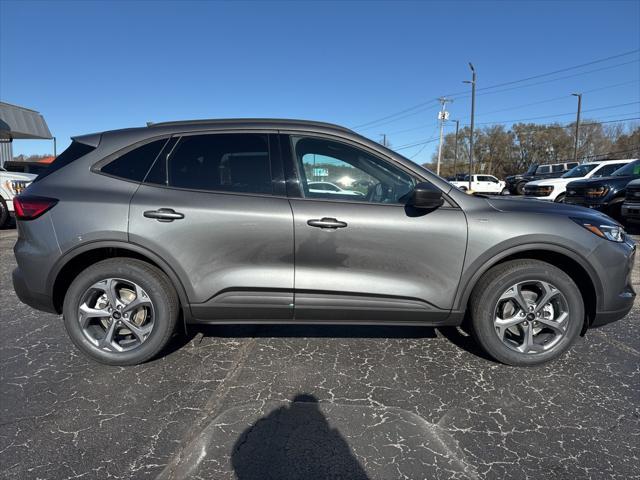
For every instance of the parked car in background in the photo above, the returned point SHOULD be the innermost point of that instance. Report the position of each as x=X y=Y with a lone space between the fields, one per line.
x=213 y=222
x=516 y=183
x=482 y=184
x=554 y=189
x=631 y=206
x=26 y=167
x=11 y=184
x=606 y=194
x=328 y=187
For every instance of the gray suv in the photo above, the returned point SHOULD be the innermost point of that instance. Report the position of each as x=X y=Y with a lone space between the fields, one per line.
x=132 y=233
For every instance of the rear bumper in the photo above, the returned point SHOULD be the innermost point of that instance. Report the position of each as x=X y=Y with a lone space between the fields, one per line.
x=29 y=297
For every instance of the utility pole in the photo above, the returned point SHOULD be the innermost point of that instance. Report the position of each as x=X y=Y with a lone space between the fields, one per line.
x=55 y=149
x=443 y=116
x=455 y=156
x=473 y=108
x=575 y=148
x=384 y=139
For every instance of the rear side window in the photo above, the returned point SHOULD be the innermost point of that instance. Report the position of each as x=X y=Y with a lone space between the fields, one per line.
x=71 y=154
x=135 y=164
x=217 y=162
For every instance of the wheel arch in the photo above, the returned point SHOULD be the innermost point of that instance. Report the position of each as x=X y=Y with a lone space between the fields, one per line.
x=572 y=263
x=76 y=260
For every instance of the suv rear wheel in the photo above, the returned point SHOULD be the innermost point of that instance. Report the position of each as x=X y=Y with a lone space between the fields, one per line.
x=120 y=311
x=526 y=312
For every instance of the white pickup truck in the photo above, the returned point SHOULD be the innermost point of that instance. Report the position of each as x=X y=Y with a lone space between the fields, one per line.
x=482 y=184
x=11 y=184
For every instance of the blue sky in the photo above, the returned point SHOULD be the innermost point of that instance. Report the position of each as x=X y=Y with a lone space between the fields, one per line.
x=90 y=66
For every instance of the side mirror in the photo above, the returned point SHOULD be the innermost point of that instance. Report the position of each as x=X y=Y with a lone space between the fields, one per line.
x=425 y=195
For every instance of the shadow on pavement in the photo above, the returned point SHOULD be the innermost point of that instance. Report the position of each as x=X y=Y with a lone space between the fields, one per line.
x=294 y=442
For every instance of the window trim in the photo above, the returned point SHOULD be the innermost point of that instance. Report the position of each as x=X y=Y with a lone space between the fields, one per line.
x=292 y=167
x=271 y=135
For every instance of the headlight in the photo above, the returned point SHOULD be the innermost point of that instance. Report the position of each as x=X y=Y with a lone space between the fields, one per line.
x=608 y=231
x=596 y=192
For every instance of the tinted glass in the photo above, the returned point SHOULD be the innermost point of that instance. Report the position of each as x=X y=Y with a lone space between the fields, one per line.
x=71 y=154
x=557 y=168
x=359 y=175
x=544 y=169
x=135 y=164
x=632 y=168
x=608 y=169
x=226 y=162
x=580 y=170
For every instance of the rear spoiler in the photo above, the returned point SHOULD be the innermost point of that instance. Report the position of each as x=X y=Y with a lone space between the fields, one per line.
x=91 y=139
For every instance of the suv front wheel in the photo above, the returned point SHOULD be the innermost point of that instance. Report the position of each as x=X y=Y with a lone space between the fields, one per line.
x=120 y=311
x=526 y=312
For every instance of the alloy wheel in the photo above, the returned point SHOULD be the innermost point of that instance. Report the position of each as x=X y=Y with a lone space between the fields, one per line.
x=531 y=317
x=116 y=315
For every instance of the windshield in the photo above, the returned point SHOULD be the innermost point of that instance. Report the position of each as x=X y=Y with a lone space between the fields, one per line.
x=632 y=168
x=580 y=170
x=532 y=169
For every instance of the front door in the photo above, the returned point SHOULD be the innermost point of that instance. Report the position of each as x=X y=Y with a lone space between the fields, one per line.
x=208 y=207
x=360 y=253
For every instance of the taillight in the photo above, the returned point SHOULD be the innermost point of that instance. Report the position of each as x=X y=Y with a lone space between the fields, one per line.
x=28 y=207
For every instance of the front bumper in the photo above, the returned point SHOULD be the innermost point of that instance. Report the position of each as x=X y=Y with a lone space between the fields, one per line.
x=631 y=211
x=615 y=266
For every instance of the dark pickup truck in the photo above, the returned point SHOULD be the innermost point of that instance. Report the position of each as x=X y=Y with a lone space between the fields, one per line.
x=516 y=183
x=631 y=205
x=606 y=194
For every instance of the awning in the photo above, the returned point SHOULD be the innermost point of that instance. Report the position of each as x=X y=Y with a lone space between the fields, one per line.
x=22 y=123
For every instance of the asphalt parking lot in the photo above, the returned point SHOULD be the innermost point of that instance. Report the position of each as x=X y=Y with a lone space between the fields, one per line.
x=276 y=402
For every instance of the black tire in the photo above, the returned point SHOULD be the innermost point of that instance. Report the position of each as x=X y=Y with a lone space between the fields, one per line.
x=615 y=211
x=560 y=198
x=520 y=188
x=4 y=213
x=493 y=284
x=154 y=283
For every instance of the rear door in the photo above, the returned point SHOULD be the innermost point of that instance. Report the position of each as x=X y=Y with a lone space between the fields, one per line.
x=364 y=255
x=213 y=206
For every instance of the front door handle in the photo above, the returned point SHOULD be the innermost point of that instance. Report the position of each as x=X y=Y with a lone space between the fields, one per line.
x=164 y=214
x=326 y=222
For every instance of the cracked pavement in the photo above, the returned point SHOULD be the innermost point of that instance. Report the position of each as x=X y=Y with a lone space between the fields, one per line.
x=370 y=403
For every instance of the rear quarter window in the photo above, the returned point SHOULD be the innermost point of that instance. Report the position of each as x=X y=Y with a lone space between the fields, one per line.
x=134 y=164
x=75 y=151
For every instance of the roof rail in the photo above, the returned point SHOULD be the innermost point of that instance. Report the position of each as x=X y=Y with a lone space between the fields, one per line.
x=275 y=121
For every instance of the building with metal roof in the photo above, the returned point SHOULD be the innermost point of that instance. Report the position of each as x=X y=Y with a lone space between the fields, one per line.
x=19 y=123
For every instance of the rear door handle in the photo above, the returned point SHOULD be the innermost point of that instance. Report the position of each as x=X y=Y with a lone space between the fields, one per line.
x=326 y=222
x=164 y=214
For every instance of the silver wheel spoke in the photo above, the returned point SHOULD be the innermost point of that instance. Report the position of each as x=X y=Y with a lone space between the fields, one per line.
x=107 y=341
x=87 y=313
x=528 y=344
x=558 y=324
x=549 y=292
x=140 y=300
x=514 y=293
x=502 y=324
x=141 y=333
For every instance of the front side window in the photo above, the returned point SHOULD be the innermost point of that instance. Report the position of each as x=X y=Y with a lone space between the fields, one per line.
x=544 y=169
x=348 y=173
x=580 y=170
x=236 y=162
x=558 y=168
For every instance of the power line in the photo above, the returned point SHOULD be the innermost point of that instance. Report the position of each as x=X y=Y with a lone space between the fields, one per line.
x=391 y=117
x=420 y=110
x=559 y=114
x=562 y=97
x=461 y=95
